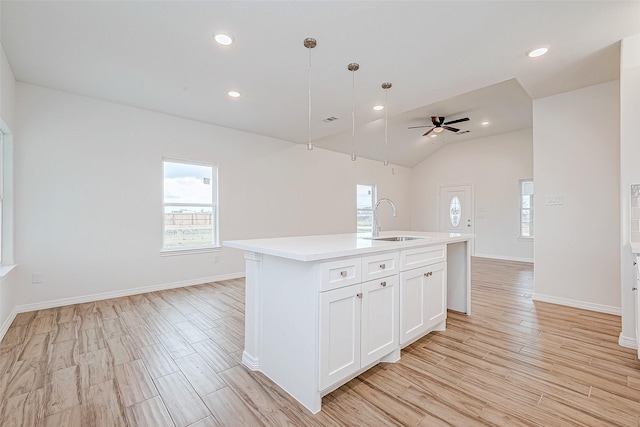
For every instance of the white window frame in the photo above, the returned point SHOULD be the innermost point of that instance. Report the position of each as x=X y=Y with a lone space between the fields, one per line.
x=521 y=209
x=2 y=169
x=215 y=246
x=373 y=206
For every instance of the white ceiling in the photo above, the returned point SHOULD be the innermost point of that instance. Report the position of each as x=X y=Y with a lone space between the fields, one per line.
x=449 y=58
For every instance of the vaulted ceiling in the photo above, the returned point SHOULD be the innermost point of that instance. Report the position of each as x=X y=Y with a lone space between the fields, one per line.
x=444 y=58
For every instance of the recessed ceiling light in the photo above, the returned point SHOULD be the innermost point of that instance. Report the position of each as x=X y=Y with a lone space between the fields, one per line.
x=233 y=94
x=485 y=123
x=378 y=107
x=433 y=135
x=223 y=39
x=538 y=52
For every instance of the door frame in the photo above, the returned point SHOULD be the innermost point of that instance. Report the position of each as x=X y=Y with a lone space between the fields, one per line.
x=472 y=203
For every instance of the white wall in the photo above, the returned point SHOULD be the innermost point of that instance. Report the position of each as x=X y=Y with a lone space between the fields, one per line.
x=89 y=192
x=8 y=284
x=576 y=155
x=629 y=173
x=494 y=165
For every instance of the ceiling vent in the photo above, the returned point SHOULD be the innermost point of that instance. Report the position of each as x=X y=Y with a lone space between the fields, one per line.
x=330 y=119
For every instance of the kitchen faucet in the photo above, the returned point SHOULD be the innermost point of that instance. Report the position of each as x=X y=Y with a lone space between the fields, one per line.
x=376 y=225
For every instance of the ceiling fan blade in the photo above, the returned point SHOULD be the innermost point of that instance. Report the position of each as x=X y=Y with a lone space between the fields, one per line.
x=416 y=127
x=428 y=132
x=437 y=121
x=457 y=121
x=452 y=129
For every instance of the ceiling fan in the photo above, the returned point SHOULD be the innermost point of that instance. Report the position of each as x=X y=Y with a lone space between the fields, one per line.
x=439 y=124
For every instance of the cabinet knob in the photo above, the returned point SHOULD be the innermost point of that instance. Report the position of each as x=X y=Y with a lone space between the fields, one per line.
x=383 y=284
x=383 y=266
x=343 y=273
x=428 y=274
x=359 y=294
x=634 y=289
x=634 y=263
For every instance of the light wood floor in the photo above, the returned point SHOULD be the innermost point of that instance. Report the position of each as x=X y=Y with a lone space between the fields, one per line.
x=173 y=358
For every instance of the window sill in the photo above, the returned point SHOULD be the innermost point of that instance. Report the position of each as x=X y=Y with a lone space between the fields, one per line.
x=189 y=251
x=6 y=269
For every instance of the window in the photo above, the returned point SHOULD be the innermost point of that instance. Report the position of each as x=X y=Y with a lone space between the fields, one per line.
x=190 y=205
x=365 y=202
x=526 y=208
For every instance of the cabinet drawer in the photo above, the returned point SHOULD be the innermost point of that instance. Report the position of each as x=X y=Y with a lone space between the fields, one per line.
x=419 y=257
x=377 y=266
x=336 y=274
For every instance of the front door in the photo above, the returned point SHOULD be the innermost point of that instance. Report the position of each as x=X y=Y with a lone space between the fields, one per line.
x=456 y=209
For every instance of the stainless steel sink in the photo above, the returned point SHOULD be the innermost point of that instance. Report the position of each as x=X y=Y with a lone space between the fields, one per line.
x=397 y=238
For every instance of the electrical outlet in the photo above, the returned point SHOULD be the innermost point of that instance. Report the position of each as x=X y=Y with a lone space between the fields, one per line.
x=37 y=278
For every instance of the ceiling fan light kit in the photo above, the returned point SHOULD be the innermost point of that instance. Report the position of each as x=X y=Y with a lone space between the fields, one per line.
x=438 y=125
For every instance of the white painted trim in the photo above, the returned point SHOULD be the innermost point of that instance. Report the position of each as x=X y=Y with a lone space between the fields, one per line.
x=504 y=258
x=6 y=269
x=627 y=342
x=192 y=250
x=250 y=362
x=578 y=304
x=123 y=293
x=8 y=322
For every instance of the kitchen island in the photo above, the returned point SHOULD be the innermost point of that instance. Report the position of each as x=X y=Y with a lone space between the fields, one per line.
x=320 y=310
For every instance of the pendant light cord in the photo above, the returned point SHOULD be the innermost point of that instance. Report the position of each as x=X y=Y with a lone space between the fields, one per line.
x=386 y=86
x=386 y=128
x=309 y=144
x=353 y=115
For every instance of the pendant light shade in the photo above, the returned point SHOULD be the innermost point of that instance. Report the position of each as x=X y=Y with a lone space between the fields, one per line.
x=309 y=43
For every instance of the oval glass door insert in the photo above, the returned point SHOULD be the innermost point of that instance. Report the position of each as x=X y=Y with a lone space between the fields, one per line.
x=454 y=211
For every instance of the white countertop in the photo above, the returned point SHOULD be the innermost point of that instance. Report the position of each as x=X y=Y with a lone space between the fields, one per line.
x=322 y=247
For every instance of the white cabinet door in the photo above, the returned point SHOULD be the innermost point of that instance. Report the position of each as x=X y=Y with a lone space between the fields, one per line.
x=637 y=303
x=379 y=318
x=423 y=300
x=340 y=314
x=436 y=309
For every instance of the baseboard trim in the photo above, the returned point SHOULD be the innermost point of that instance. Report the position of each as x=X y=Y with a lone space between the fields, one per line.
x=627 y=342
x=250 y=362
x=578 y=304
x=9 y=320
x=503 y=258
x=23 y=308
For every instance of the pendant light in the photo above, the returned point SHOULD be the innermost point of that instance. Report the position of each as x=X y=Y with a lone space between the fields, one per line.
x=386 y=86
x=309 y=43
x=353 y=67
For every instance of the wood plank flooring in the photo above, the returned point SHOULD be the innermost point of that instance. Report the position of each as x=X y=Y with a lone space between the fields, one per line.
x=172 y=358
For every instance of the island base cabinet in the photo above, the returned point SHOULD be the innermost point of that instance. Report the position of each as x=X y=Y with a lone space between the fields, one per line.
x=423 y=301
x=358 y=326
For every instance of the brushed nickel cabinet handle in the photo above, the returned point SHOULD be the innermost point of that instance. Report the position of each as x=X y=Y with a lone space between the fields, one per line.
x=359 y=294
x=428 y=274
x=383 y=284
x=343 y=273
x=383 y=266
